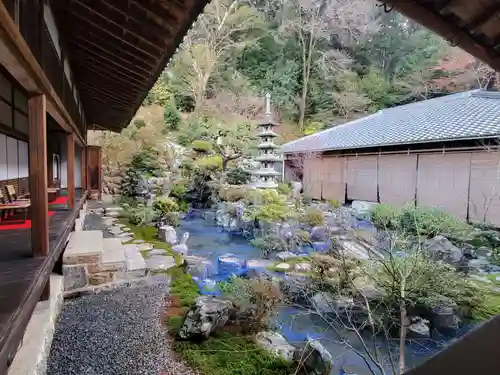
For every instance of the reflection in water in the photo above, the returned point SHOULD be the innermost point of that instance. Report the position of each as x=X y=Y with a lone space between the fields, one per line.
x=296 y=323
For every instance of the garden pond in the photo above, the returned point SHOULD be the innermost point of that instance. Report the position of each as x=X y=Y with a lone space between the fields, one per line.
x=211 y=242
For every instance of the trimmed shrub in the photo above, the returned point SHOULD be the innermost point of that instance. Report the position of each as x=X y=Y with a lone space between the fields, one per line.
x=313 y=217
x=201 y=146
x=210 y=163
x=284 y=189
x=144 y=164
x=269 y=244
x=334 y=203
x=179 y=191
x=233 y=193
x=271 y=212
x=165 y=206
x=238 y=176
x=171 y=115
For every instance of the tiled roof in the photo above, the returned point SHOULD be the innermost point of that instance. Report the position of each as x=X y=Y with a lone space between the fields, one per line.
x=466 y=115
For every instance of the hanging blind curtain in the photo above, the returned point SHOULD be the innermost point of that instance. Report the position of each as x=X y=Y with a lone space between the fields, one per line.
x=334 y=178
x=484 y=197
x=397 y=178
x=443 y=182
x=362 y=177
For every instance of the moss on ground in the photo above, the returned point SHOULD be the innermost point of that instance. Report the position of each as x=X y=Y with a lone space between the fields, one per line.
x=148 y=234
x=227 y=354
x=183 y=286
x=488 y=309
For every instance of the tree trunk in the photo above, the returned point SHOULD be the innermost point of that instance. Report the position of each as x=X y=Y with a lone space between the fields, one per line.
x=302 y=106
x=402 y=337
x=225 y=161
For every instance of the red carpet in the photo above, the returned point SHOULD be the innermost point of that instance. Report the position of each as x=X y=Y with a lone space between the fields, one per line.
x=19 y=224
x=60 y=200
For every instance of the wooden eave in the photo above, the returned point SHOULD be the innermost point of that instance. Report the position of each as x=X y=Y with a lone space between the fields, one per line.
x=472 y=25
x=118 y=48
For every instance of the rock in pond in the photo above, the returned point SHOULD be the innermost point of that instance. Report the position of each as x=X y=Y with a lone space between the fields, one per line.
x=207 y=314
x=167 y=234
x=418 y=328
x=276 y=344
x=282 y=267
x=180 y=249
x=314 y=357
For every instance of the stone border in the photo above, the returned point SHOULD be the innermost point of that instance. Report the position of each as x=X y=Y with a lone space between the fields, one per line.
x=31 y=358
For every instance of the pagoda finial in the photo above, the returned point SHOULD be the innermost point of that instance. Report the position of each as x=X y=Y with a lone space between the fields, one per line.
x=268 y=103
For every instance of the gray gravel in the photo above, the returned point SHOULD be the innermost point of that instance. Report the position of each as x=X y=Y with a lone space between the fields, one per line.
x=117 y=332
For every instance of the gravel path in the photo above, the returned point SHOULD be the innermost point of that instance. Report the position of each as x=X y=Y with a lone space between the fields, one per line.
x=116 y=332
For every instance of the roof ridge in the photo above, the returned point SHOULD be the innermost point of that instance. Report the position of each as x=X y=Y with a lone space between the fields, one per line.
x=452 y=96
x=481 y=93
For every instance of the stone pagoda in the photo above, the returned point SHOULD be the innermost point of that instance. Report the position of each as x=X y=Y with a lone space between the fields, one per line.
x=266 y=174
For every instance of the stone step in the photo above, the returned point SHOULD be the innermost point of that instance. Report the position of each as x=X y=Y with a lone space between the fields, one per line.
x=113 y=256
x=84 y=247
x=136 y=265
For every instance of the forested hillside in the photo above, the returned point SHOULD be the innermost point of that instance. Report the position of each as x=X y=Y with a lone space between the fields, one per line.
x=324 y=62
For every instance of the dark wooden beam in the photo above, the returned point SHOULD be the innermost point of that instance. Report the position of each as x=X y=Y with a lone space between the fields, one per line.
x=487 y=14
x=134 y=45
x=38 y=175
x=143 y=63
x=110 y=71
x=95 y=13
x=71 y=170
x=121 y=64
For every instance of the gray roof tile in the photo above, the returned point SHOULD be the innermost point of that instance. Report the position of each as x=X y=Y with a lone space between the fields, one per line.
x=466 y=115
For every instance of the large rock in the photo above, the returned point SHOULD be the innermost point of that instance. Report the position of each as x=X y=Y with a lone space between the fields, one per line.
x=320 y=234
x=205 y=316
x=198 y=266
x=444 y=317
x=276 y=344
x=181 y=249
x=167 y=234
x=327 y=304
x=418 y=328
x=314 y=357
x=442 y=249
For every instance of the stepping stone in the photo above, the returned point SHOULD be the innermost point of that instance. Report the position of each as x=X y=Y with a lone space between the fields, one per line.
x=303 y=267
x=120 y=225
x=136 y=266
x=160 y=262
x=156 y=252
x=284 y=255
x=282 y=267
x=139 y=241
x=84 y=247
x=113 y=257
x=115 y=230
x=126 y=229
x=144 y=246
x=109 y=220
x=124 y=239
x=259 y=263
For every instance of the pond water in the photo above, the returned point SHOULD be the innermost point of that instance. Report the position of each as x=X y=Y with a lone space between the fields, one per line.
x=209 y=241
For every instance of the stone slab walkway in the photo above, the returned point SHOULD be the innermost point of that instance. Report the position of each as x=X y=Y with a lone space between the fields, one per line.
x=115 y=333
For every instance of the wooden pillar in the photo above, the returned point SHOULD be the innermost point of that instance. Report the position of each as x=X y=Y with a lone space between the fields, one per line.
x=38 y=175
x=71 y=170
x=84 y=169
